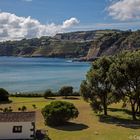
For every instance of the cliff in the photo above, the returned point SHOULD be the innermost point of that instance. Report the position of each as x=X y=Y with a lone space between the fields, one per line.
x=82 y=45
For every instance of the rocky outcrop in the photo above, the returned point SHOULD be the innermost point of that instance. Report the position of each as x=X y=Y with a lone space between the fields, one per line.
x=86 y=45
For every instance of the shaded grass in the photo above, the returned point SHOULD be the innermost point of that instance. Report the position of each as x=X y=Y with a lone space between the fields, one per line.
x=119 y=121
x=72 y=127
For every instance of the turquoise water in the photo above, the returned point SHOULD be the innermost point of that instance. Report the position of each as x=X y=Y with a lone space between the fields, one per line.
x=38 y=74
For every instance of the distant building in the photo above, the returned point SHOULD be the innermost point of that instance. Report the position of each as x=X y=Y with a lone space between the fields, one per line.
x=17 y=125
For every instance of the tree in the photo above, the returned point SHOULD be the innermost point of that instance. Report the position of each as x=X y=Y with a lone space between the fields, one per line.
x=24 y=108
x=59 y=112
x=124 y=74
x=48 y=93
x=66 y=91
x=97 y=87
x=4 y=95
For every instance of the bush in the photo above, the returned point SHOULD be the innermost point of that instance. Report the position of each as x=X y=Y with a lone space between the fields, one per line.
x=7 y=109
x=48 y=93
x=34 y=106
x=23 y=108
x=59 y=112
x=4 y=95
x=31 y=95
x=66 y=91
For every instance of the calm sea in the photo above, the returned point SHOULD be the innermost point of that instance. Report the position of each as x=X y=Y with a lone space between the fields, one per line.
x=38 y=74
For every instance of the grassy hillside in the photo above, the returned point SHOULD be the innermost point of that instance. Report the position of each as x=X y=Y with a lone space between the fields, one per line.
x=88 y=125
x=76 y=44
x=85 y=44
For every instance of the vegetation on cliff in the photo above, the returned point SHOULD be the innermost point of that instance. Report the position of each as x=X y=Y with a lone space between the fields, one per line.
x=86 y=45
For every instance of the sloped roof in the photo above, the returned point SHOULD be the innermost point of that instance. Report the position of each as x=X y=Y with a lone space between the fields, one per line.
x=17 y=117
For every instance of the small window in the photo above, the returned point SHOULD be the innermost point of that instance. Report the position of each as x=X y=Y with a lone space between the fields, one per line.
x=17 y=129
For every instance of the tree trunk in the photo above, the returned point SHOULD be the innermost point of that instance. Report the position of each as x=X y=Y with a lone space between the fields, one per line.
x=133 y=111
x=105 y=104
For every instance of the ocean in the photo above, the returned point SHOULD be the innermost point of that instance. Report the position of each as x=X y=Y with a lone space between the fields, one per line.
x=18 y=74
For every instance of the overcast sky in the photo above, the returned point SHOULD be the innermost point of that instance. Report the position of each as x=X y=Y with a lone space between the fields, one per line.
x=35 y=18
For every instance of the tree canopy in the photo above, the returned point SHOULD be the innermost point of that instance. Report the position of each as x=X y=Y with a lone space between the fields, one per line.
x=4 y=95
x=112 y=79
x=124 y=74
x=66 y=91
x=59 y=112
x=97 y=87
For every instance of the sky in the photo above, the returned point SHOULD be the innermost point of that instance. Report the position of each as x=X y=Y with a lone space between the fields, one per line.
x=35 y=18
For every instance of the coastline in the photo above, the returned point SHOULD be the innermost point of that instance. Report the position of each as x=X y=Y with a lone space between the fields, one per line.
x=80 y=59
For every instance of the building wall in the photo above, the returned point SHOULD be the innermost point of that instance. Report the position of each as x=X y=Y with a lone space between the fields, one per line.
x=6 y=130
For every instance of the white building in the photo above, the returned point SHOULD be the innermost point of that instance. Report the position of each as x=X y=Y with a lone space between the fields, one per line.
x=17 y=125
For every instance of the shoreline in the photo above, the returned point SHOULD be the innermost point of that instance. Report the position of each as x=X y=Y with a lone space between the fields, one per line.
x=80 y=59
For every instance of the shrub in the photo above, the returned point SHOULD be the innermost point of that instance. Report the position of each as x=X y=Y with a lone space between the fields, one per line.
x=23 y=108
x=4 y=95
x=34 y=106
x=66 y=91
x=31 y=95
x=7 y=109
x=19 y=109
x=48 y=93
x=59 y=112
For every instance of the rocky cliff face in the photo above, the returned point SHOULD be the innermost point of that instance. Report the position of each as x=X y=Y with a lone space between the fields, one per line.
x=113 y=43
x=86 y=45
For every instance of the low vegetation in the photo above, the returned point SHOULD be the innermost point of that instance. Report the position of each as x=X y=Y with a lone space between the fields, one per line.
x=66 y=91
x=4 y=95
x=59 y=112
x=48 y=93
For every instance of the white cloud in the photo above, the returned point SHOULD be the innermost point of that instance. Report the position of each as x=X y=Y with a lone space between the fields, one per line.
x=13 y=27
x=68 y=23
x=125 y=10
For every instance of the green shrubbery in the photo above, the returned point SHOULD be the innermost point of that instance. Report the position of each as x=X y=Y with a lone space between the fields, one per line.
x=59 y=112
x=63 y=91
x=4 y=95
x=26 y=95
x=48 y=93
x=66 y=91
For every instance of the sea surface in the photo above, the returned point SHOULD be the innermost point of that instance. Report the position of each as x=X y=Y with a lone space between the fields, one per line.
x=19 y=74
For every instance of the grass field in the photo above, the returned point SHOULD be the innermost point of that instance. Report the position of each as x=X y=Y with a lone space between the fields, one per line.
x=88 y=126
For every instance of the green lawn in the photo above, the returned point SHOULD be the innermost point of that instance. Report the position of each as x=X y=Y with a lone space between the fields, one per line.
x=87 y=126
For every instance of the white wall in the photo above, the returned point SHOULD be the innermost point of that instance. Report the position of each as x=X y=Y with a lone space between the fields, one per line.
x=6 y=130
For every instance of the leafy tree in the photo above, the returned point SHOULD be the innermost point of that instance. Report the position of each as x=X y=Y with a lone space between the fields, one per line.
x=4 y=95
x=66 y=91
x=59 y=112
x=97 y=87
x=48 y=93
x=124 y=74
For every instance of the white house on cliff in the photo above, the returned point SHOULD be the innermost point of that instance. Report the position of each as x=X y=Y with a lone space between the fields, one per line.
x=17 y=125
